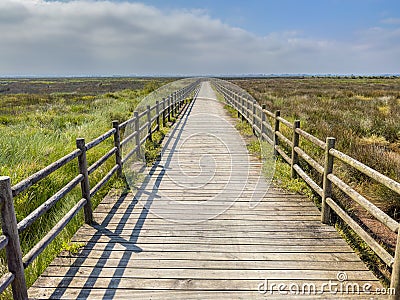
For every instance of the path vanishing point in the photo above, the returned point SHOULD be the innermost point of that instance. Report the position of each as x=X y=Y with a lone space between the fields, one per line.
x=202 y=226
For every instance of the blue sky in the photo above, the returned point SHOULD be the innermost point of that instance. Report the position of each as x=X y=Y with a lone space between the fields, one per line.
x=154 y=37
x=320 y=18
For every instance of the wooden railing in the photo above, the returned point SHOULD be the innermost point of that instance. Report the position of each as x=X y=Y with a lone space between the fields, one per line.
x=143 y=122
x=258 y=117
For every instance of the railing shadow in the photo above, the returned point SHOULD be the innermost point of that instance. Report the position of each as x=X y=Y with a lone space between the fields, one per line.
x=144 y=190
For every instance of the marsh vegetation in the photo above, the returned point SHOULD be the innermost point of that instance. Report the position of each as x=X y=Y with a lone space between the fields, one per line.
x=40 y=125
x=363 y=114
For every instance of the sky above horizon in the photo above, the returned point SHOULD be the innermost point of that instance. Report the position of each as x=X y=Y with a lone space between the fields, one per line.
x=160 y=37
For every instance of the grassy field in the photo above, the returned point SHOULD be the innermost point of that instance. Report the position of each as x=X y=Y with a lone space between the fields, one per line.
x=363 y=114
x=38 y=125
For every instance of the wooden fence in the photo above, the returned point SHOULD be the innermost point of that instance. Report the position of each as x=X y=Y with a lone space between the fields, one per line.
x=142 y=122
x=258 y=117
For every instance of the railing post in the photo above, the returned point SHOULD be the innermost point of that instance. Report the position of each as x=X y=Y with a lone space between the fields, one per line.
x=395 y=278
x=295 y=156
x=243 y=110
x=276 y=129
x=85 y=186
x=176 y=103
x=247 y=107
x=163 y=112
x=158 y=114
x=13 y=248
x=137 y=129
x=178 y=99
x=237 y=102
x=172 y=106
x=253 y=110
x=169 y=108
x=263 y=121
x=149 y=123
x=327 y=185
x=117 y=144
x=181 y=98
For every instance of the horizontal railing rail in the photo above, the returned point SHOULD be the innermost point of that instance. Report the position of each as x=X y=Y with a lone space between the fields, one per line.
x=151 y=118
x=250 y=111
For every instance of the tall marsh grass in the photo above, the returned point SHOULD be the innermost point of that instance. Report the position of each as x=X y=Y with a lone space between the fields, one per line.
x=35 y=131
x=363 y=114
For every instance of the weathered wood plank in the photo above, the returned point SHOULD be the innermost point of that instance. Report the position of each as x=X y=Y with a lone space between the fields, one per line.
x=187 y=232
x=188 y=284
x=242 y=241
x=258 y=228
x=232 y=248
x=204 y=273
x=135 y=262
x=343 y=257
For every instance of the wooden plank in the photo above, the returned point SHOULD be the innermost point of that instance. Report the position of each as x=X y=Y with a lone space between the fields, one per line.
x=199 y=226
x=244 y=194
x=139 y=240
x=343 y=257
x=237 y=214
x=232 y=248
x=292 y=210
x=223 y=217
x=187 y=232
x=204 y=273
x=135 y=262
x=188 y=284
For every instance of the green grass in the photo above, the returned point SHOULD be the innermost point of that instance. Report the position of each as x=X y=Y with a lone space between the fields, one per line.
x=152 y=148
x=283 y=179
x=367 y=255
x=37 y=130
x=72 y=247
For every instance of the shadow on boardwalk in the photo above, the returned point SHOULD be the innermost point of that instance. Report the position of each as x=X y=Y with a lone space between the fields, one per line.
x=151 y=191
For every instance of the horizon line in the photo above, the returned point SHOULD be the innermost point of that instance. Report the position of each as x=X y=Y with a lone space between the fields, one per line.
x=206 y=75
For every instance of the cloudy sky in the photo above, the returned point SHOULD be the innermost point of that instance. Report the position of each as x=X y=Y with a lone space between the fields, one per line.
x=156 y=37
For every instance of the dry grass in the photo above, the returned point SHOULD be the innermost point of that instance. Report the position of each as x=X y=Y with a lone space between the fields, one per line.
x=363 y=114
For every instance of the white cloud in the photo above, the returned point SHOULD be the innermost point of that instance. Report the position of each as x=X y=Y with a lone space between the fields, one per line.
x=395 y=21
x=104 y=37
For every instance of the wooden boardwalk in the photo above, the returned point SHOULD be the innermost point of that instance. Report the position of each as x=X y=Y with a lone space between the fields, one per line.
x=190 y=231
